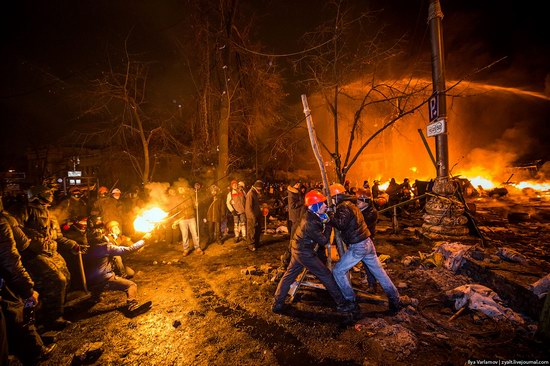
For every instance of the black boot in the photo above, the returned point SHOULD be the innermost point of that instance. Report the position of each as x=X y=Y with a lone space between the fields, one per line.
x=278 y=307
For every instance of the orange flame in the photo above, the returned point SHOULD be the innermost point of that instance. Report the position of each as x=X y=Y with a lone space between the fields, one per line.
x=147 y=221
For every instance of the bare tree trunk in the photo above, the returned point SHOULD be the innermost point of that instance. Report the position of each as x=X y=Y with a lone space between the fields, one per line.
x=144 y=144
x=228 y=13
x=223 y=133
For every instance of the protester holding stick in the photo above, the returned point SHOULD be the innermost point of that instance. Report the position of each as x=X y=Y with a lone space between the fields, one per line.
x=311 y=230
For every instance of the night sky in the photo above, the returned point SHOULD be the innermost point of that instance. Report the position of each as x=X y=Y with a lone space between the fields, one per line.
x=51 y=50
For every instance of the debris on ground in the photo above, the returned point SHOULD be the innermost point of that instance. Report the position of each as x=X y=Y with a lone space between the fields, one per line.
x=511 y=255
x=453 y=253
x=392 y=338
x=88 y=353
x=483 y=299
x=542 y=286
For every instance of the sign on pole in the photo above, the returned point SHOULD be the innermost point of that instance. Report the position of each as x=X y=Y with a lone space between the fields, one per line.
x=436 y=128
x=433 y=106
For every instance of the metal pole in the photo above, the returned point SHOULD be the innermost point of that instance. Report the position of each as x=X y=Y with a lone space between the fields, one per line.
x=394 y=221
x=427 y=147
x=435 y=16
x=197 y=209
x=82 y=273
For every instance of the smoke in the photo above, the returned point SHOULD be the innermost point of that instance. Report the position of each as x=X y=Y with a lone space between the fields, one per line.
x=544 y=172
x=495 y=159
x=490 y=130
x=157 y=192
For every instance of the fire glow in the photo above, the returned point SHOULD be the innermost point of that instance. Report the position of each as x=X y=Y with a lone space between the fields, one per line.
x=147 y=221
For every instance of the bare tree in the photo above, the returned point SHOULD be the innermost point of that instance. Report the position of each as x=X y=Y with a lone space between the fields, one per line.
x=237 y=92
x=345 y=59
x=119 y=96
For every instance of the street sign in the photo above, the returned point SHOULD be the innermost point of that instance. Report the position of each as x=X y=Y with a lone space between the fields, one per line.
x=433 y=106
x=437 y=128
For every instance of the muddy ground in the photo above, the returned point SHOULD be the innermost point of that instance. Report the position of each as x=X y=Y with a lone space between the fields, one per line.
x=207 y=312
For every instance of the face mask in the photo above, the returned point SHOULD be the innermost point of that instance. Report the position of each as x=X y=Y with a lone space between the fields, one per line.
x=324 y=217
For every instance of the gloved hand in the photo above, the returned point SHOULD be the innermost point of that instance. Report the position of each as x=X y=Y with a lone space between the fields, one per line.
x=204 y=220
x=33 y=300
x=324 y=218
x=75 y=249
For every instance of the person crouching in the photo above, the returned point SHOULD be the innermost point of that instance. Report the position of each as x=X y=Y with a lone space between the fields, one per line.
x=309 y=232
x=99 y=271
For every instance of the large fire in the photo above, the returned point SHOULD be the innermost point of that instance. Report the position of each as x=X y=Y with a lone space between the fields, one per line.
x=481 y=177
x=148 y=219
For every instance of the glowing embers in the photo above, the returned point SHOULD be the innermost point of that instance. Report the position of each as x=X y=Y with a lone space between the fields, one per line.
x=537 y=186
x=148 y=219
x=483 y=182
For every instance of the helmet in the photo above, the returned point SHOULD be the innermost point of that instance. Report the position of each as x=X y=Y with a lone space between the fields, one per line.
x=41 y=193
x=234 y=181
x=241 y=184
x=75 y=192
x=116 y=190
x=81 y=223
x=111 y=224
x=336 y=188
x=103 y=191
x=95 y=222
x=363 y=193
x=313 y=197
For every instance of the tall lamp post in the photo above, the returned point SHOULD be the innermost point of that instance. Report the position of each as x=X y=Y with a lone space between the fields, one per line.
x=444 y=218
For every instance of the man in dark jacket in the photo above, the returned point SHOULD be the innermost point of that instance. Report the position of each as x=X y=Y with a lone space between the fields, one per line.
x=295 y=210
x=214 y=216
x=310 y=231
x=72 y=207
x=99 y=271
x=348 y=219
x=16 y=292
x=253 y=216
x=42 y=260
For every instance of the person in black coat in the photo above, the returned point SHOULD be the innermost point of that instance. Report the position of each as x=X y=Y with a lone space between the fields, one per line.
x=354 y=231
x=16 y=293
x=296 y=208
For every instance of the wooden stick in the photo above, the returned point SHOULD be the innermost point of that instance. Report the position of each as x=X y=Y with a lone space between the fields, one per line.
x=455 y=315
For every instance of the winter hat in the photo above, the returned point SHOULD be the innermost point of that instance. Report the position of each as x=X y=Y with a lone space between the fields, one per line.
x=258 y=184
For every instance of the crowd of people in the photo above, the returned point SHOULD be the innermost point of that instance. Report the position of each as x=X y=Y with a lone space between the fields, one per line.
x=46 y=239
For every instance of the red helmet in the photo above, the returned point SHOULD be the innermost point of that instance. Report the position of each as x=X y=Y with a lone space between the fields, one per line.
x=313 y=197
x=103 y=189
x=336 y=188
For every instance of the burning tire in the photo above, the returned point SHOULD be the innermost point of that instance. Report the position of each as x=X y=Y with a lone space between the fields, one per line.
x=446 y=230
x=445 y=220
x=443 y=208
